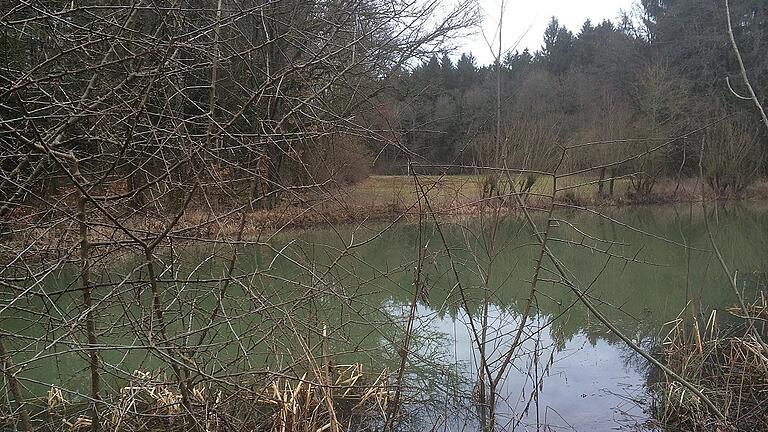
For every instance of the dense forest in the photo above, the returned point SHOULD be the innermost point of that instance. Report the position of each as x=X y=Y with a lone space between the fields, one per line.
x=238 y=95
x=261 y=98
x=660 y=74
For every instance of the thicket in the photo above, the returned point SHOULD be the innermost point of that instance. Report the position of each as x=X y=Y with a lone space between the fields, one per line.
x=130 y=127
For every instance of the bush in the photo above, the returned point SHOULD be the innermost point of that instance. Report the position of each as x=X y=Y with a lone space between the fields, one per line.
x=732 y=155
x=338 y=159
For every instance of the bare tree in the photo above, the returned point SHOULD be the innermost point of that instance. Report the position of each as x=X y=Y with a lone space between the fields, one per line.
x=130 y=128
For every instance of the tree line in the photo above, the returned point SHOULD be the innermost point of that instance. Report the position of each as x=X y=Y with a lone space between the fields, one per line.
x=151 y=97
x=129 y=125
x=262 y=97
x=663 y=73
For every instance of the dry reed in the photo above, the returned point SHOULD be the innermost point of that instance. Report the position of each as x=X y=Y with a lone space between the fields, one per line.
x=357 y=401
x=725 y=360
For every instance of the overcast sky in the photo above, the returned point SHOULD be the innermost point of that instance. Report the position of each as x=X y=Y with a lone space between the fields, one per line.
x=532 y=16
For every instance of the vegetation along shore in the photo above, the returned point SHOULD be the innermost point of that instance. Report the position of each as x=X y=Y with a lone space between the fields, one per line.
x=369 y=215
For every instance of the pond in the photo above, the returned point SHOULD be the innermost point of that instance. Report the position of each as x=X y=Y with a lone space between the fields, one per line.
x=643 y=267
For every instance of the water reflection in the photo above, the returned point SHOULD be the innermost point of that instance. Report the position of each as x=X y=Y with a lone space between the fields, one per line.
x=657 y=263
x=587 y=378
x=584 y=383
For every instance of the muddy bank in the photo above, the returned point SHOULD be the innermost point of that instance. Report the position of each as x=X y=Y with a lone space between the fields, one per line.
x=378 y=199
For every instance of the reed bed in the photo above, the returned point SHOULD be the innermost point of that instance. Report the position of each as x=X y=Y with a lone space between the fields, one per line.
x=728 y=362
x=340 y=398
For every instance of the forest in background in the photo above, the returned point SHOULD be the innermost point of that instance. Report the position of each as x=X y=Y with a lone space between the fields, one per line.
x=658 y=74
x=154 y=155
x=269 y=101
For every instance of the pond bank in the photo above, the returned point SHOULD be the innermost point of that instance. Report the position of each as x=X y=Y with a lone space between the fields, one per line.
x=381 y=199
x=376 y=200
x=280 y=292
x=729 y=363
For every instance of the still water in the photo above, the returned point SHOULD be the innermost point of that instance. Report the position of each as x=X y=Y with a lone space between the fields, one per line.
x=642 y=267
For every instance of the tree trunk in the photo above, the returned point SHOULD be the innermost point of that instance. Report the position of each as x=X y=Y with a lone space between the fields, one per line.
x=90 y=321
x=13 y=386
x=611 y=182
x=600 y=184
x=136 y=183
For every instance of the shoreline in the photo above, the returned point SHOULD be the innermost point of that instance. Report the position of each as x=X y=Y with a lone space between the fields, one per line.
x=369 y=202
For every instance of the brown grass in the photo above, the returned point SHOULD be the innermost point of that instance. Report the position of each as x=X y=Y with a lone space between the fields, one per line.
x=352 y=398
x=376 y=199
x=731 y=368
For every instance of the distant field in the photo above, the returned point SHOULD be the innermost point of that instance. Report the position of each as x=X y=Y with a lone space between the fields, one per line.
x=445 y=191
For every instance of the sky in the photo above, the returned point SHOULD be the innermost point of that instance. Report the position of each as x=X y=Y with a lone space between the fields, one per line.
x=525 y=21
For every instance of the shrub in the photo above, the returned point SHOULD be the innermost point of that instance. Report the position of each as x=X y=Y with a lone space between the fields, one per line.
x=338 y=159
x=732 y=155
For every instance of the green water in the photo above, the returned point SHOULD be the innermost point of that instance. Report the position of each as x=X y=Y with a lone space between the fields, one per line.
x=287 y=289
